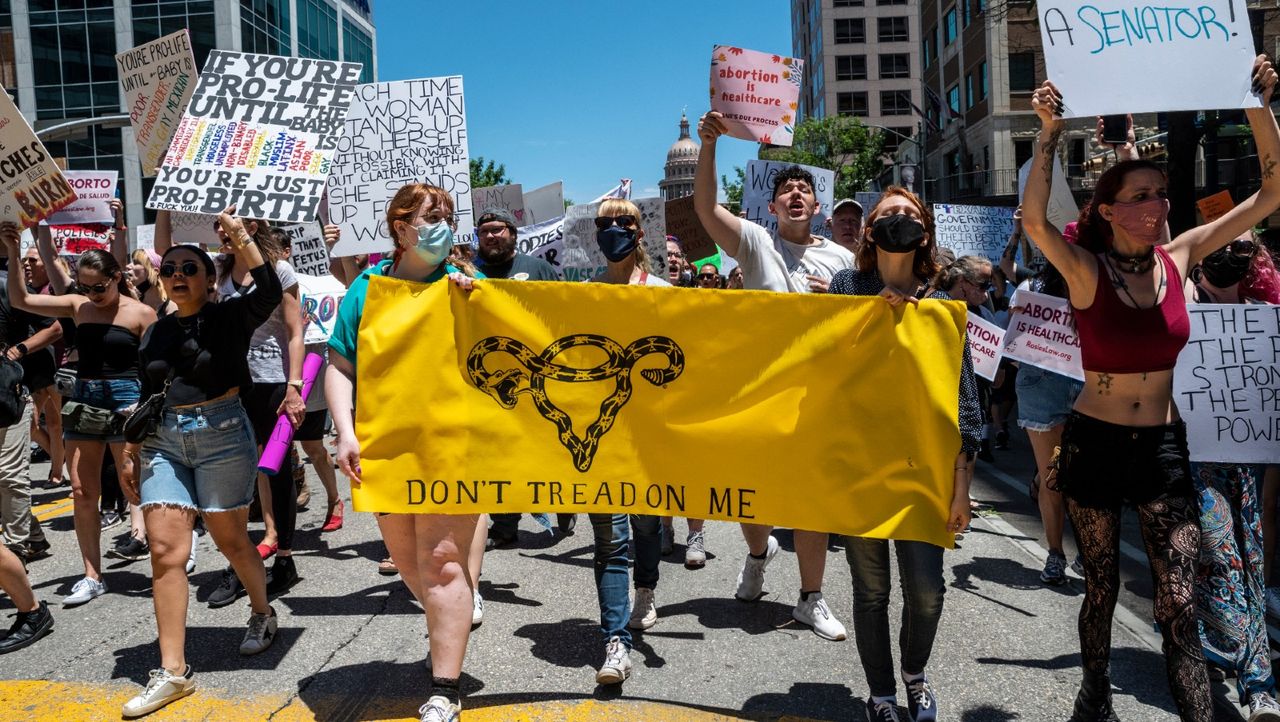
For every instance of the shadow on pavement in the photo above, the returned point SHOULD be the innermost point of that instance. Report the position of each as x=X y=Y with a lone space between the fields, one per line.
x=378 y=690
x=209 y=649
x=504 y=593
x=989 y=713
x=1135 y=672
x=1006 y=573
x=759 y=617
x=809 y=699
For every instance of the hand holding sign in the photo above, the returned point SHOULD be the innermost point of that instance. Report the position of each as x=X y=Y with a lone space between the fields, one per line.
x=711 y=127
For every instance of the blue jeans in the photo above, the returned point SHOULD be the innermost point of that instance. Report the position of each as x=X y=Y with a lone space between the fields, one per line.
x=920 y=572
x=114 y=394
x=201 y=458
x=612 y=534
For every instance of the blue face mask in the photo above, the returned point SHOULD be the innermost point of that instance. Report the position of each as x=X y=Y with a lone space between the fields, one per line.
x=616 y=242
x=435 y=241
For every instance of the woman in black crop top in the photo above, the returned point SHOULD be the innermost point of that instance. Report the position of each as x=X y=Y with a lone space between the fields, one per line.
x=110 y=323
x=202 y=458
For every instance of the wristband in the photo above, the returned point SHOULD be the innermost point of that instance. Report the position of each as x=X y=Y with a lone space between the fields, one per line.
x=296 y=383
x=22 y=348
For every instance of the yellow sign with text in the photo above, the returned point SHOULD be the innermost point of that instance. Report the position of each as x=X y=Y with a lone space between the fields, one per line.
x=827 y=413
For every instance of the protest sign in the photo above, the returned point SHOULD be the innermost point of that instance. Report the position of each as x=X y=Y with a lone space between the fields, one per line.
x=31 y=186
x=577 y=256
x=157 y=80
x=757 y=193
x=986 y=345
x=973 y=230
x=683 y=223
x=309 y=255
x=543 y=204
x=76 y=238
x=196 y=228
x=1180 y=55
x=1215 y=206
x=146 y=237
x=95 y=189
x=407 y=131
x=1043 y=333
x=756 y=92
x=320 y=296
x=1227 y=383
x=509 y=198
x=1062 y=205
x=868 y=201
x=530 y=238
x=259 y=133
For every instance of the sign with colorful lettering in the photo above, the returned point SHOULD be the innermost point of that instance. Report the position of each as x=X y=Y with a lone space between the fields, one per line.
x=1227 y=383
x=95 y=190
x=973 y=230
x=1199 y=55
x=406 y=131
x=757 y=93
x=76 y=238
x=157 y=80
x=320 y=297
x=31 y=186
x=757 y=194
x=259 y=133
x=986 y=344
x=1042 y=332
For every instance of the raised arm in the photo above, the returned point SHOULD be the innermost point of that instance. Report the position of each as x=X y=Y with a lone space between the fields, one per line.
x=1192 y=246
x=119 y=234
x=724 y=227
x=59 y=280
x=1074 y=263
x=10 y=238
x=164 y=232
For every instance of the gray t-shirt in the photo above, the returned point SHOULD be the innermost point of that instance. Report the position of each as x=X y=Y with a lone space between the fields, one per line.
x=268 y=360
x=770 y=263
x=316 y=402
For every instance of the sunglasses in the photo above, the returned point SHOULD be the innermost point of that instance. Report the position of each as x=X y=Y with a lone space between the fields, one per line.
x=97 y=289
x=603 y=222
x=1242 y=247
x=186 y=268
x=708 y=276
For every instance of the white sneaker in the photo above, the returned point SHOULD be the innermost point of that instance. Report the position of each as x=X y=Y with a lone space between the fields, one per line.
x=85 y=590
x=1272 y=596
x=815 y=613
x=191 y=558
x=260 y=634
x=695 y=550
x=751 y=578
x=617 y=663
x=162 y=689
x=644 y=613
x=477 y=609
x=439 y=709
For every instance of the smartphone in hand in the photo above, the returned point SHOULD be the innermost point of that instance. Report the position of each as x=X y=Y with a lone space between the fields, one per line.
x=1115 y=129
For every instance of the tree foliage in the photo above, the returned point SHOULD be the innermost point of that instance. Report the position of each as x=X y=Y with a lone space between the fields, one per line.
x=485 y=175
x=733 y=190
x=839 y=143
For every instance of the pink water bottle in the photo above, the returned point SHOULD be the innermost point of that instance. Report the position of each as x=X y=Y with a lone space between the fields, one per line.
x=277 y=447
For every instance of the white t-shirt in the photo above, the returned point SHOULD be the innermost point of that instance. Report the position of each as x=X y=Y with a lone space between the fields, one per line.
x=268 y=363
x=770 y=263
x=648 y=279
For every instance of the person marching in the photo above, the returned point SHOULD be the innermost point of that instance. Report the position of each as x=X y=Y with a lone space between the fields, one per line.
x=430 y=550
x=1125 y=442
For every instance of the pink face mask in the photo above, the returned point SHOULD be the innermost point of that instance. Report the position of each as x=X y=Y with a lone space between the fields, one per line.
x=1144 y=221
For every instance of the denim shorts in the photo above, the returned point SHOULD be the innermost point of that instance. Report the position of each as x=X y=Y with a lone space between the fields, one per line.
x=1045 y=398
x=114 y=394
x=201 y=457
x=1102 y=465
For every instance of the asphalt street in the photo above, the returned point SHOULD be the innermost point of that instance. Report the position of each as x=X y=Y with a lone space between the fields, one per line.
x=351 y=643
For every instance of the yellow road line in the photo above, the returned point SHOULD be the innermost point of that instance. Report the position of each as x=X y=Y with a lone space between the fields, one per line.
x=41 y=701
x=45 y=512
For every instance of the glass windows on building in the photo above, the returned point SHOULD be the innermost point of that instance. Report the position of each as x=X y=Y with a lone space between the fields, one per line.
x=156 y=18
x=850 y=30
x=851 y=67
x=317 y=30
x=895 y=102
x=264 y=26
x=895 y=65
x=8 y=65
x=854 y=104
x=73 y=46
x=892 y=30
x=358 y=47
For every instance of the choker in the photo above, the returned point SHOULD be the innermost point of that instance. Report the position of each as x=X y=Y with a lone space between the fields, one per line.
x=1134 y=264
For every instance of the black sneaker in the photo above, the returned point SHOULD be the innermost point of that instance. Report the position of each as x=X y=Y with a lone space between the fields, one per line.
x=31 y=550
x=566 y=523
x=229 y=590
x=883 y=711
x=921 y=704
x=282 y=575
x=27 y=629
x=131 y=549
x=1002 y=440
x=499 y=540
x=110 y=519
x=984 y=452
x=38 y=454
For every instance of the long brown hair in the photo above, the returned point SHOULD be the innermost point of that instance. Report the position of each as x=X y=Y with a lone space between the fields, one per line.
x=404 y=206
x=268 y=245
x=1093 y=232
x=925 y=265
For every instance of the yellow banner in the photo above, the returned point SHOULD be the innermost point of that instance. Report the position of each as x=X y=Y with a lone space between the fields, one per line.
x=828 y=413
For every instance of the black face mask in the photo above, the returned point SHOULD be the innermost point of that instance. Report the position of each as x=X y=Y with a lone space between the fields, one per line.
x=897 y=234
x=616 y=242
x=1224 y=270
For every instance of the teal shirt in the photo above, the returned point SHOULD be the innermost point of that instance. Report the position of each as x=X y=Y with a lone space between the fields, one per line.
x=346 y=326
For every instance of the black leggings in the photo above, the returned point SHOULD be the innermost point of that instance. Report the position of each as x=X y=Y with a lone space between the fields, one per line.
x=262 y=403
x=1171 y=533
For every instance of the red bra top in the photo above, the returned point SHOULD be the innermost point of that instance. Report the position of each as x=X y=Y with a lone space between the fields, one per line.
x=1117 y=338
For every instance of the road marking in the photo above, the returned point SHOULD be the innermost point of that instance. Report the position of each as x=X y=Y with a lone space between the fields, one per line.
x=45 y=512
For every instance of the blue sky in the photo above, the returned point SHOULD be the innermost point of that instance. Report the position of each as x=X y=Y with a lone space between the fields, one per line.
x=581 y=92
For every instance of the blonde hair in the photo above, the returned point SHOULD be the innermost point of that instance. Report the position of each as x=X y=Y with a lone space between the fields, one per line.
x=142 y=258
x=614 y=207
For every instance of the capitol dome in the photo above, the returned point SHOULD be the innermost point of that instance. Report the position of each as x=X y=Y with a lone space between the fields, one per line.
x=682 y=161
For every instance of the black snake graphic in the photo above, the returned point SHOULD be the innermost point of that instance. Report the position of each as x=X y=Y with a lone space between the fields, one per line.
x=506 y=384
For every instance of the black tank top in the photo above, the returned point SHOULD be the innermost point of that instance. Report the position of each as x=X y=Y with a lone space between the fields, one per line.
x=107 y=351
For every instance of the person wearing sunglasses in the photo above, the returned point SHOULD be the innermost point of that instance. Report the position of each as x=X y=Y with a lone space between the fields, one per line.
x=201 y=458
x=431 y=551
x=895 y=262
x=109 y=326
x=708 y=276
x=789 y=260
x=1230 y=577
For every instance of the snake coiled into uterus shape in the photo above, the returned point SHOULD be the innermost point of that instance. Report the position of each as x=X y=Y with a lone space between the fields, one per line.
x=506 y=385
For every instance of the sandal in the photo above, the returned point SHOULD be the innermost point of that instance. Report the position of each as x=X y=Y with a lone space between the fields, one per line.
x=388 y=568
x=266 y=551
x=334 y=522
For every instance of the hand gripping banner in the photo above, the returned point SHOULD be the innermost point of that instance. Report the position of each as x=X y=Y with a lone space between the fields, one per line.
x=827 y=413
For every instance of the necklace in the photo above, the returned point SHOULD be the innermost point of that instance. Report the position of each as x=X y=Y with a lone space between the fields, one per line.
x=1134 y=264
x=1118 y=281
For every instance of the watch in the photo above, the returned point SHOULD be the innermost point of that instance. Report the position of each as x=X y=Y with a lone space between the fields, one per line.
x=296 y=383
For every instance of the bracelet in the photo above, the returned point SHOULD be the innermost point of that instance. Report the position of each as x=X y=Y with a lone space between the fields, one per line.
x=296 y=383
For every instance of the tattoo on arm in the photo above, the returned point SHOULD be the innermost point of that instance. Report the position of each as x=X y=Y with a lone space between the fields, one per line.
x=1268 y=167
x=1049 y=149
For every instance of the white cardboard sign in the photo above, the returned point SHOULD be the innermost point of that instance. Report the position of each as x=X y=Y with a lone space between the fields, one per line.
x=146 y=237
x=1227 y=383
x=543 y=204
x=1042 y=333
x=577 y=256
x=309 y=256
x=1062 y=207
x=1109 y=57
x=986 y=344
x=157 y=79
x=320 y=297
x=406 y=131
x=95 y=190
x=757 y=193
x=973 y=230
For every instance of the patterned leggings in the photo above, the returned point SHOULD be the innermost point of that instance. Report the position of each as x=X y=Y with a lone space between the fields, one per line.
x=1171 y=533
